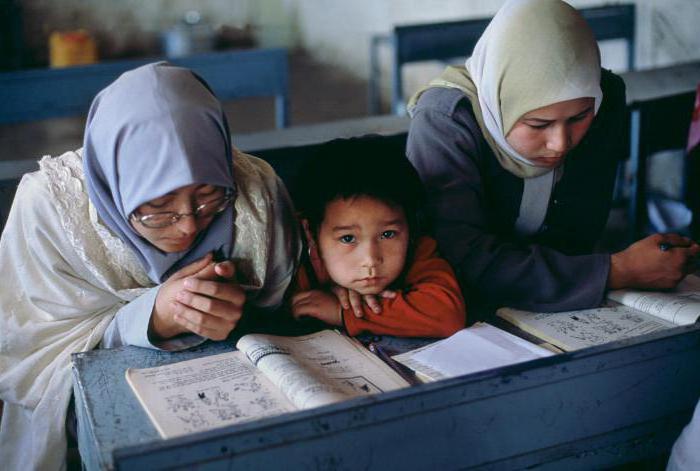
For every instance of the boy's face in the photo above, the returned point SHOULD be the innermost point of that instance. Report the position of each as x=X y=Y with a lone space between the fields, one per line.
x=363 y=242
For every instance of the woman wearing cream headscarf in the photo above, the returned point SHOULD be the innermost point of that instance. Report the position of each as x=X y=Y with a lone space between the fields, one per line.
x=114 y=244
x=518 y=152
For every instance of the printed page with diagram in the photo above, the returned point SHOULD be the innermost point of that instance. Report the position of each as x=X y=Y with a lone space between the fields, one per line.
x=680 y=306
x=205 y=393
x=269 y=375
x=573 y=330
x=319 y=369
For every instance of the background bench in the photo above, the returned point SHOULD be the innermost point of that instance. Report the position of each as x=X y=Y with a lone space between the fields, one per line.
x=456 y=39
x=32 y=95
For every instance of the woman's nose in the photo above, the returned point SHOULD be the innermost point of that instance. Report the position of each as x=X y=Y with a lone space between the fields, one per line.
x=187 y=224
x=558 y=139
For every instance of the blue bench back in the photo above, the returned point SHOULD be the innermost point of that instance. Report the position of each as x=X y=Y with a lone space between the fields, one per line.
x=49 y=93
x=656 y=125
x=449 y=40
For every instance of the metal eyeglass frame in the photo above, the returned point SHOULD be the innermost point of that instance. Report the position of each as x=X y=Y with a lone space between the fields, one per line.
x=223 y=202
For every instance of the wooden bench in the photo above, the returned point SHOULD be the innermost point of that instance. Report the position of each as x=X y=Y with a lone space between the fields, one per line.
x=661 y=104
x=656 y=125
x=456 y=39
x=32 y=95
x=644 y=89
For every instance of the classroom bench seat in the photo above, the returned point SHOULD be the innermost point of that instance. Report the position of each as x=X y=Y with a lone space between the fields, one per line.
x=31 y=95
x=456 y=39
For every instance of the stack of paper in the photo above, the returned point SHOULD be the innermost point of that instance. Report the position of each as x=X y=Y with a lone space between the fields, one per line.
x=477 y=348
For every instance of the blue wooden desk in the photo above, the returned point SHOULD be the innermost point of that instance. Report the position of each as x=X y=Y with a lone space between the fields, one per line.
x=590 y=409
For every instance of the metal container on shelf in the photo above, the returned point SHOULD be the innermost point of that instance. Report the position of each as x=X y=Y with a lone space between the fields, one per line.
x=191 y=36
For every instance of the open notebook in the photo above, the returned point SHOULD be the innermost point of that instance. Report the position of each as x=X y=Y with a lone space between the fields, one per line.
x=268 y=375
x=628 y=313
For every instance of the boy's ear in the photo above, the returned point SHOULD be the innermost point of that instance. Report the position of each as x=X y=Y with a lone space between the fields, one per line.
x=314 y=256
x=310 y=241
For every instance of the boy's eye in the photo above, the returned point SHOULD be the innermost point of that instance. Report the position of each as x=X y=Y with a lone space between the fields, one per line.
x=347 y=239
x=388 y=234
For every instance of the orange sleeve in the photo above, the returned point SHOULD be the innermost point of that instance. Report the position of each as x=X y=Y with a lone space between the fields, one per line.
x=430 y=305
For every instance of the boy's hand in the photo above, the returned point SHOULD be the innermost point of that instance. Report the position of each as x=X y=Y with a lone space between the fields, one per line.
x=319 y=304
x=348 y=298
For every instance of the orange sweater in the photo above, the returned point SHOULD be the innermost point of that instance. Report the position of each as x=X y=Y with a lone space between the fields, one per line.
x=430 y=304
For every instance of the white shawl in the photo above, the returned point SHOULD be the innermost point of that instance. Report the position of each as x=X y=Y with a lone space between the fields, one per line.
x=66 y=275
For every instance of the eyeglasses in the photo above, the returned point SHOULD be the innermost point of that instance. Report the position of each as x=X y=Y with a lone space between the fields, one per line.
x=168 y=218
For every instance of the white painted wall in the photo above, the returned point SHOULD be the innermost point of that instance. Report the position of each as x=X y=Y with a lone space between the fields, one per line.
x=339 y=31
x=133 y=27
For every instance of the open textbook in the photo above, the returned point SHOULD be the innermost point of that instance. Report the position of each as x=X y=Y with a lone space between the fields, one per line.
x=477 y=348
x=268 y=375
x=627 y=314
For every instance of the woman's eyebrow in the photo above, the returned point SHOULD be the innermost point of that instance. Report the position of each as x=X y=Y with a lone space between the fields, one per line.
x=197 y=188
x=210 y=190
x=544 y=120
x=586 y=111
x=539 y=120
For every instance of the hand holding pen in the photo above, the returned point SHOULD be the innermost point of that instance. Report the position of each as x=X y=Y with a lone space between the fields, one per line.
x=659 y=261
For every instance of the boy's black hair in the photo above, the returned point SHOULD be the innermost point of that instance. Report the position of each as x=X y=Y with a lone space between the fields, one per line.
x=371 y=165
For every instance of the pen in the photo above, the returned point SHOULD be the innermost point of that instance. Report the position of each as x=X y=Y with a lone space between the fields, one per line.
x=666 y=246
x=408 y=375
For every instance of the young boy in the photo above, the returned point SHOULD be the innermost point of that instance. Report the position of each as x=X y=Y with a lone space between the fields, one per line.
x=359 y=201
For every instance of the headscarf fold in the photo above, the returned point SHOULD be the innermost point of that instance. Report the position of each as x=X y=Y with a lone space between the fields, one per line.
x=533 y=53
x=155 y=129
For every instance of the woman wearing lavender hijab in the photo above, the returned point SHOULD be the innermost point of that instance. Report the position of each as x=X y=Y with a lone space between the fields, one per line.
x=518 y=152
x=156 y=233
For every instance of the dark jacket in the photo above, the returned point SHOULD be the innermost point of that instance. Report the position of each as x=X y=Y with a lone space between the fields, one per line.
x=474 y=203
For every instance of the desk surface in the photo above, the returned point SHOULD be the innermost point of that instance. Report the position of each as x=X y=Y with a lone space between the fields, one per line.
x=109 y=414
x=588 y=409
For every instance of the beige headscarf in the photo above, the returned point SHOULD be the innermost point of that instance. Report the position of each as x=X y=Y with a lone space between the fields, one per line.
x=534 y=53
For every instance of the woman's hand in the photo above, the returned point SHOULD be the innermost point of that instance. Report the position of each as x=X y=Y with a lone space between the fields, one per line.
x=348 y=298
x=644 y=265
x=319 y=304
x=202 y=298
